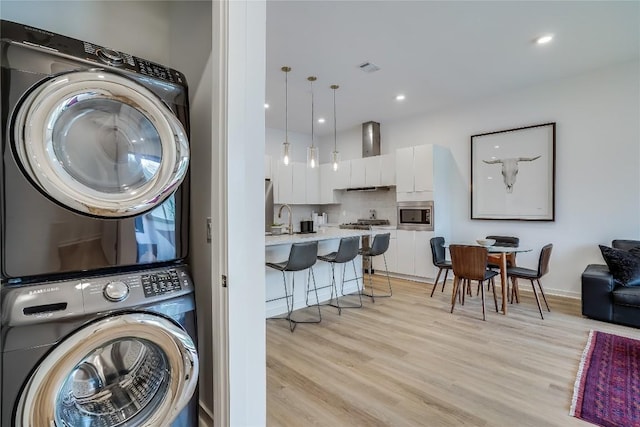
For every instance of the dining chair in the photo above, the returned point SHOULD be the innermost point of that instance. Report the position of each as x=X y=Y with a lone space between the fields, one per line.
x=494 y=261
x=535 y=275
x=470 y=263
x=439 y=260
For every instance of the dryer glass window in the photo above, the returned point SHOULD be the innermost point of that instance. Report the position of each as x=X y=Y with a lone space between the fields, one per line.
x=123 y=152
x=121 y=381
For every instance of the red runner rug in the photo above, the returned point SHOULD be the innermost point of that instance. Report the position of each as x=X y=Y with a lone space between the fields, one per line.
x=607 y=389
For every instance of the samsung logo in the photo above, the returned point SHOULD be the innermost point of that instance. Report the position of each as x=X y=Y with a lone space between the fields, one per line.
x=44 y=290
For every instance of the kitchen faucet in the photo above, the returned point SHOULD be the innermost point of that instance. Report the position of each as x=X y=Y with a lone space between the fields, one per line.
x=290 y=217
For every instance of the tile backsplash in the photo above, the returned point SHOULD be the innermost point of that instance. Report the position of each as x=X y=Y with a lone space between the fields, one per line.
x=354 y=205
x=357 y=204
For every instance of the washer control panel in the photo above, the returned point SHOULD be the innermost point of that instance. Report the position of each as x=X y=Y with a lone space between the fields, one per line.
x=160 y=283
x=115 y=291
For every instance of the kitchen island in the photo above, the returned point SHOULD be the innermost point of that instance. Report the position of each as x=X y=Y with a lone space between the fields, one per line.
x=277 y=249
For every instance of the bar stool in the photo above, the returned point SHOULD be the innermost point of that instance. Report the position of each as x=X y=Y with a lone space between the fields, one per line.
x=301 y=257
x=378 y=247
x=347 y=251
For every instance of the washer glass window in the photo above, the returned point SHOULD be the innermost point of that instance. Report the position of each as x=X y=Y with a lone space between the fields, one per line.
x=114 y=384
x=130 y=369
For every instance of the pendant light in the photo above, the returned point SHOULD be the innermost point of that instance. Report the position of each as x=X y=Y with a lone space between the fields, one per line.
x=312 y=152
x=335 y=156
x=286 y=147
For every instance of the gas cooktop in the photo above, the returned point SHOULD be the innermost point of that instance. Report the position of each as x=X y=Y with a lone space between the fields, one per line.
x=365 y=224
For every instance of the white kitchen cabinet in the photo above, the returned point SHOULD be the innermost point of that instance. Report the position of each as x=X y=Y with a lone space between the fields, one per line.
x=328 y=180
x=343 y=175
x=414 y=253
x=312 y=186
x=422 y=254
x=415 y=169
x=404 y=170
x=372 y=171
x=405 y=251
x=358 y=173
x=299 y=183
x=387 y=169
x=423 y=168
x=283 y=185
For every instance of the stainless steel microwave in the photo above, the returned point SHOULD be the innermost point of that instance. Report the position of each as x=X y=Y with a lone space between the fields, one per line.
x=415 y=216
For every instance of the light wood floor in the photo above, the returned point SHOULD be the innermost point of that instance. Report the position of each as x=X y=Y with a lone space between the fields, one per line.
x=406 y=361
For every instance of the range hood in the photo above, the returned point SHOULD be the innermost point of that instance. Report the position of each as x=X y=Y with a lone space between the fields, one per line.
x=381 y=188
x=370 y=148
x=370 y=139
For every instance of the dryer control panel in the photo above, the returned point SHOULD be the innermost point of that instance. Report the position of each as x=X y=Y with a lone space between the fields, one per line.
x=100 y=55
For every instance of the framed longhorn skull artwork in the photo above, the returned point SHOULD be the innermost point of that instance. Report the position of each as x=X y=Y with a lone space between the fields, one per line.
x=513 y=174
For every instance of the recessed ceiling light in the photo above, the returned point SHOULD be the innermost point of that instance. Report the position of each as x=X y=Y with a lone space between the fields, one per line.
x=320 y=120
x=400 y=97
x=544 y=39
x=266 y=105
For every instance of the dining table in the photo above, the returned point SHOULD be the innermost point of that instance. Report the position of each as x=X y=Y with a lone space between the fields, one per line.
x=503 y=251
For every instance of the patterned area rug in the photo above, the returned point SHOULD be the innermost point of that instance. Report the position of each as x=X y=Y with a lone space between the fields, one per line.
x=607 y=390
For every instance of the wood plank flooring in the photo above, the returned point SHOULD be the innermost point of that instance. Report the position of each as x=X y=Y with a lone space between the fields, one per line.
x=407 y=361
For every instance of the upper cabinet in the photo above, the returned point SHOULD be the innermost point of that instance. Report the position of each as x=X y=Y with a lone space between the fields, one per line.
x=387 y=169
x=414 y=169
x=328 y=181
x=358 y=173
x=404 y=170
x=372 y=171
x=296 y=184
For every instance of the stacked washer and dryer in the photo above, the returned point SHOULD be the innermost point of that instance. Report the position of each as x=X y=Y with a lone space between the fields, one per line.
x=97 y=306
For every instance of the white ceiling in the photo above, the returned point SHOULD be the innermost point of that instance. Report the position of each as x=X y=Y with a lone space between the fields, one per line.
x=441 y=54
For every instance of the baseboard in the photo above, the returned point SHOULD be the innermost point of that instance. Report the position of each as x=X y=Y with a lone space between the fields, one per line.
x=527 y=289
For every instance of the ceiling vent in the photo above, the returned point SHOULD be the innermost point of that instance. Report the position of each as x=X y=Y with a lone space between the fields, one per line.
x=369 y=67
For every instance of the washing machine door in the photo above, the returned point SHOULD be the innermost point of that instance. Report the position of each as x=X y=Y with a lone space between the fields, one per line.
x=135 y=369
x=100 y=144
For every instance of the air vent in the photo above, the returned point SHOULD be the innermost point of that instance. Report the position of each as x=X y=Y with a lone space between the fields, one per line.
x=369 y=67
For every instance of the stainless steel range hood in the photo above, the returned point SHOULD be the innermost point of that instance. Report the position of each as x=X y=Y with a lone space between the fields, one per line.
x=370 y=139
x=378 y=188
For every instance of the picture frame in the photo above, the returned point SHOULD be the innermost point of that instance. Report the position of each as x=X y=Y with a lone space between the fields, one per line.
x=513 y=174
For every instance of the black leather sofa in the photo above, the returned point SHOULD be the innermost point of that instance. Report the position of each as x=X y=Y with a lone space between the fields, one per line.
x=604 y=298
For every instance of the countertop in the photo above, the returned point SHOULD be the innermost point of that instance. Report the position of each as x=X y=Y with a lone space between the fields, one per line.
x=324 y=233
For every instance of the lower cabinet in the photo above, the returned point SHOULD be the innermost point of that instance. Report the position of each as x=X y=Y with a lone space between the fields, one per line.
x=413 y=254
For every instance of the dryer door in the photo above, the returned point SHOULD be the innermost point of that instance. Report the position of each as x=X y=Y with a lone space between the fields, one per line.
x=100 y=144
x=135 y=369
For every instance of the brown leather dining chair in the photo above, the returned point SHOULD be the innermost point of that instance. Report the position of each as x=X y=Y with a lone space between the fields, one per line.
x=470 y=263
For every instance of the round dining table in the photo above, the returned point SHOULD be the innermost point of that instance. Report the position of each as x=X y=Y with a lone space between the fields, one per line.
x=504 y=251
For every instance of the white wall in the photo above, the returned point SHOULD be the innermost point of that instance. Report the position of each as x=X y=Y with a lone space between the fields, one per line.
x=245 y=214
x=597 y=164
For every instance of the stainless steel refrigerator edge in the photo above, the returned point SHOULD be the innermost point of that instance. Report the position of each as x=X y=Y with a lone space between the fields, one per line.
x=268 y=204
